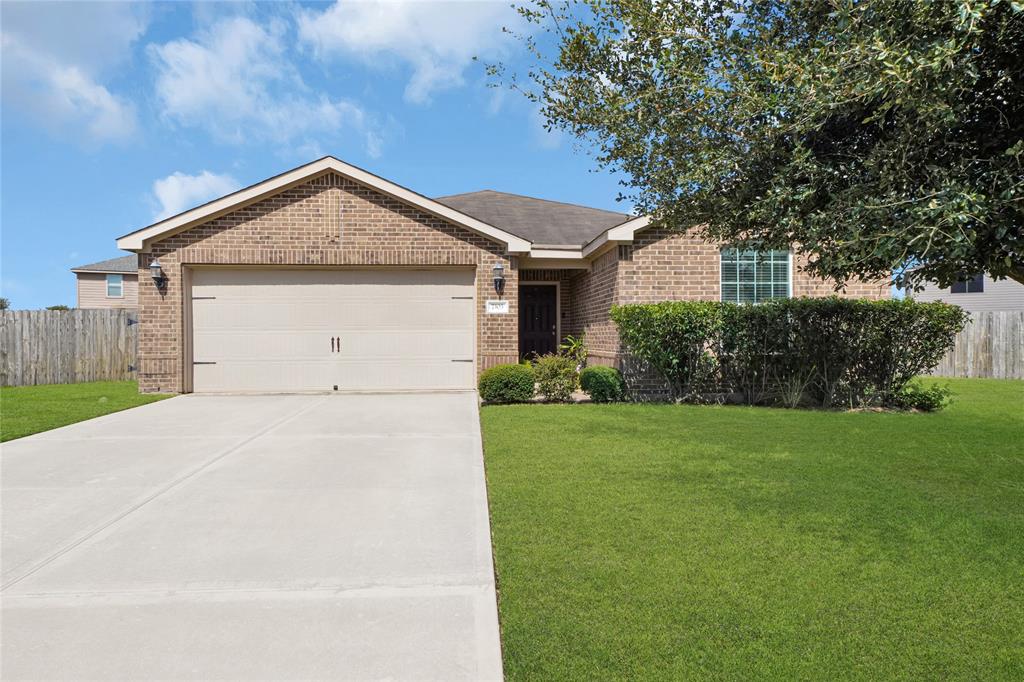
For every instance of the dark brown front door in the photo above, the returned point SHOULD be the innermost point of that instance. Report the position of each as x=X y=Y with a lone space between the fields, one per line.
x=538 y=324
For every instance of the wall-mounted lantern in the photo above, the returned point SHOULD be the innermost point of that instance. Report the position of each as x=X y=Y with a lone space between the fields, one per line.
x=157 y=273
x=499 y=278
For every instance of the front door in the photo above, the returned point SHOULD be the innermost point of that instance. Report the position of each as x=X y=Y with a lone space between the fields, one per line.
x=538 y=321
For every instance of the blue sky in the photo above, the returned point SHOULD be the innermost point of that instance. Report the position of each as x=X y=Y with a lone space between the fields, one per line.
x=114 y=115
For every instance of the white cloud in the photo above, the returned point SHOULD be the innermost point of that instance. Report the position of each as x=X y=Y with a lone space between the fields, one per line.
x=55 y=58
x=179 y=192
x=92 y=35
x=236 y=81
x=437 y=39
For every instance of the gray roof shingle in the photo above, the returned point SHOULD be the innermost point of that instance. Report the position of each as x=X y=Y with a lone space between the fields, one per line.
x=127 y=263
x=539 y=220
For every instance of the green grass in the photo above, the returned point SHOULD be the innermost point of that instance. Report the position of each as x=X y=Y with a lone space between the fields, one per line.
x=25 y=410
x=685 y=542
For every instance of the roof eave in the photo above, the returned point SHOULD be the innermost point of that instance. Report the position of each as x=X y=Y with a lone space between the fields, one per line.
x=622 y=233
x=105 y=272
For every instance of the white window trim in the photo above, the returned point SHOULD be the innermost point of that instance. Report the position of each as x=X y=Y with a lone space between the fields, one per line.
x=107 y=282
x=789 y=276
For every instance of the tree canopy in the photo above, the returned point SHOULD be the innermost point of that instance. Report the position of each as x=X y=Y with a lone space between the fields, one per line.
x=870 y=135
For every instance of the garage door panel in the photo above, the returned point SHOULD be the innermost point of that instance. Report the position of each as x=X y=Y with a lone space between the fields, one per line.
x=415 y=346
x=271 y=345
x=229 y=314
x=424 y=315
x=394 y=374
x=264 y=376
x=267 y=330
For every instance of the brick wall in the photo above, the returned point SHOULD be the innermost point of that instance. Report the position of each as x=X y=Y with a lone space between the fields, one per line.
x=332 y=221
x=328 y=220
x=805 y=285
x=594 y=292
x=664 y=265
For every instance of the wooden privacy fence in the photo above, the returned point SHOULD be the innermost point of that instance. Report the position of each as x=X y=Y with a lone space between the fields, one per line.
x=992 y=345
x=67 y=346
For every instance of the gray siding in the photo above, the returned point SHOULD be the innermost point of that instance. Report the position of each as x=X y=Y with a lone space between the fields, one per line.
x=92 y=291
x=1002 y=295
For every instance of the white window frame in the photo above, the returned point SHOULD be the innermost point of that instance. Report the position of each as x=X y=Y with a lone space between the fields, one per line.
x=111 y=279
x=721 y=279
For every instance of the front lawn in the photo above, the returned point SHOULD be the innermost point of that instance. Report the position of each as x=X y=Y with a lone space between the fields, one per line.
x=25 y=410
x=687 y=542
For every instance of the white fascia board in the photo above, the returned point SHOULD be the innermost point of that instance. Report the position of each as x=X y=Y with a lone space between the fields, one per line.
x=140 y=239
x=622 y=233
x=571 y=254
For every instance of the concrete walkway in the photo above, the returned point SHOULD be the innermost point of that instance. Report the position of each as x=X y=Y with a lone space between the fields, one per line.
x=252 y=537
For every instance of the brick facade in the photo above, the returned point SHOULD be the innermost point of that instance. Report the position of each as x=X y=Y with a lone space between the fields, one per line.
x=660 y=265
x=330 y=221
x=326 y=221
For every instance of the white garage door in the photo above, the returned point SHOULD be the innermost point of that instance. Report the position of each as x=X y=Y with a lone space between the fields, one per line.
x=314 y=330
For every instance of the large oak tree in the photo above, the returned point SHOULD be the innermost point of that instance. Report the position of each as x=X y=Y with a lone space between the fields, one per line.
x=868 y=134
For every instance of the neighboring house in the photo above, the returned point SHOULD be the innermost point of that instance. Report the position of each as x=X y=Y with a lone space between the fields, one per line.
x=329 y=277
x=979 y=294
x=110 y=283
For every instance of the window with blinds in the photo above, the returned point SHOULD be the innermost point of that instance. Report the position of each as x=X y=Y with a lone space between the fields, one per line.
x=115 y=286
x=752 y=276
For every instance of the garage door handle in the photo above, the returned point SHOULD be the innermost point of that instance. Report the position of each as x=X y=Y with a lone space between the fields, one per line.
x=332 y=344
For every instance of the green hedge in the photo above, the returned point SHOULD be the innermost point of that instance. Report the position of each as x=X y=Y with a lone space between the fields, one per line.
x=818 y=351
x=603 y=384
x=507 y=384
x=556 y=377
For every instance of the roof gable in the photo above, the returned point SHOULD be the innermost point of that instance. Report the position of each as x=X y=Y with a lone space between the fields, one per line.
x=140 y=240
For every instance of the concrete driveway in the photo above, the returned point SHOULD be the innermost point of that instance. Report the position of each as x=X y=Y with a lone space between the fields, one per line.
x=252 y=537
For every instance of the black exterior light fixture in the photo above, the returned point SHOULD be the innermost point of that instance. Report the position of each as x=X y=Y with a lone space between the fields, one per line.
x=157 y=273
x=499 y=278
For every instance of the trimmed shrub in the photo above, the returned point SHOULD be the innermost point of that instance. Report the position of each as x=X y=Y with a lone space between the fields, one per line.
x=917 y=396
x=556 y=377
x=792 y=352
x=507 y=384
x=677 y=339
x=903 y=339
x=603 y=384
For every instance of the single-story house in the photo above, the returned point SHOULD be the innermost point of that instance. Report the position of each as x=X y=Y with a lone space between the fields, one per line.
x=328 y=277
x=979 y=294
x=112 y=283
